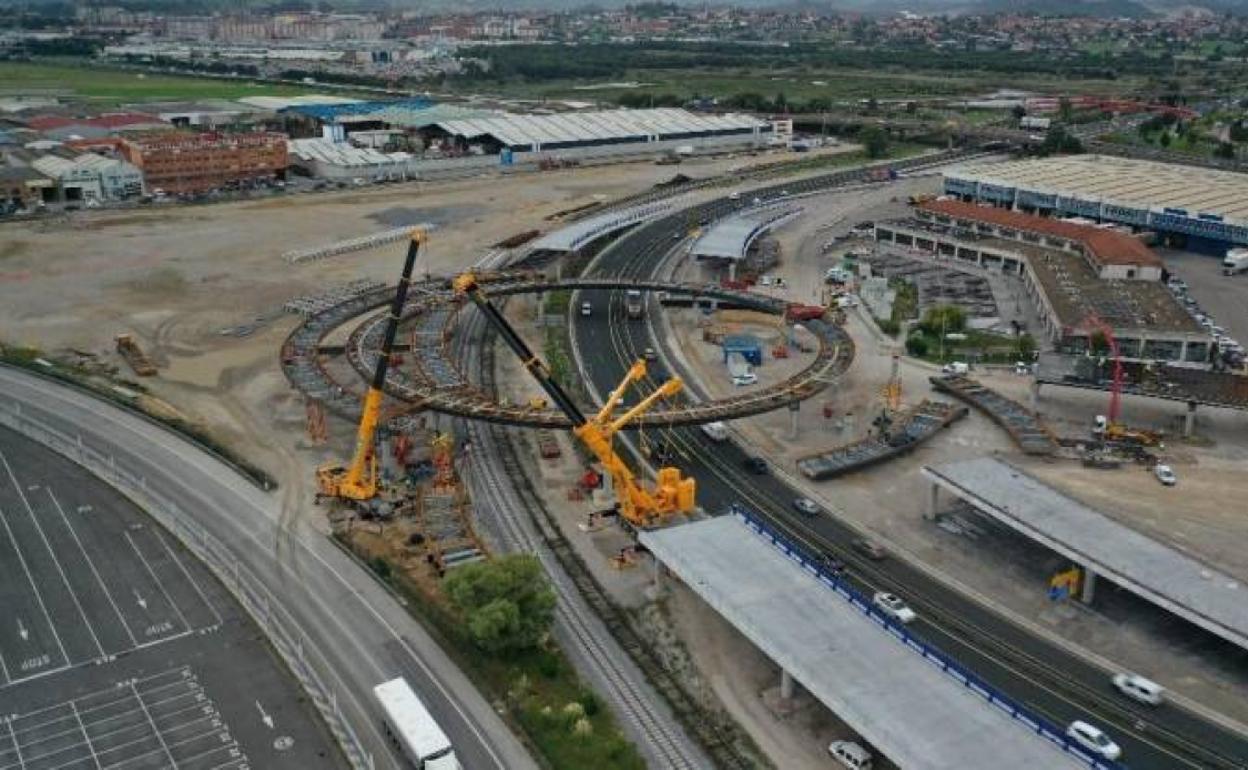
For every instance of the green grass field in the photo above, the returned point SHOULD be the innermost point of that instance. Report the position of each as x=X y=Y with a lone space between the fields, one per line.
x=105 y=86
x=801 y=84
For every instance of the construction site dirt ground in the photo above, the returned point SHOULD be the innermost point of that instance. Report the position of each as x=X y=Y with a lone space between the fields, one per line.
x=1200 y=516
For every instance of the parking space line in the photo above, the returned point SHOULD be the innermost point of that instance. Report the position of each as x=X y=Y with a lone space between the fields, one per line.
x=4 y=669
x=33 y=587
x=40 y=675
x=17 y=749
x=173 y=555
x=233 y=762
x=91 y=564
x=151 y=721
x=90 y=746
x=51 y=553
x=159 y=585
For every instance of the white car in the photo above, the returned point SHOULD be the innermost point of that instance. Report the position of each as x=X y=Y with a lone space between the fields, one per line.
x=1093 y=739
x=587 y=309
x=750 y=378
x=1165 y=474
x=894 y=607
x=1138 y=688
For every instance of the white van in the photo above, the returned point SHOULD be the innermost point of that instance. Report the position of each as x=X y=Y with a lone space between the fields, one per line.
x=1138 y=688
x=715 y=431
x=850 y=755
x=957 y=367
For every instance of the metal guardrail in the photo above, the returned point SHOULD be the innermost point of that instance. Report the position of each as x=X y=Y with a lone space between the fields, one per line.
x=304 y=659
x=931 y=654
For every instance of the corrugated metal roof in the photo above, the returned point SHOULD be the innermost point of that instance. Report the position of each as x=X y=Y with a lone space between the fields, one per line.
x=525 y=130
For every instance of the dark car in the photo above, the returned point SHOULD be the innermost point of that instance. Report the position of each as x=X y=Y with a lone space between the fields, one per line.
x=831 y=564
x=755 y=465
x=869 y=548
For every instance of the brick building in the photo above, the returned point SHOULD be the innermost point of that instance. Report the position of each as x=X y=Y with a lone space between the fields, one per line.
x=183 y=162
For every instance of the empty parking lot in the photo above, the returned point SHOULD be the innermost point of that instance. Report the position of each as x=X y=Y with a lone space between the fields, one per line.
x=118 y=650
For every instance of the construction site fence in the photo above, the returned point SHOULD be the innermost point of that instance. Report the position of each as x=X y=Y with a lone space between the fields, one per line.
x=954 y=670
x=309 y=665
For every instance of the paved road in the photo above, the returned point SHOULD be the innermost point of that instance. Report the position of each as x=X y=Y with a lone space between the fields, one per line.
x=1033 y=671
x=107 y=619
x=367 y=635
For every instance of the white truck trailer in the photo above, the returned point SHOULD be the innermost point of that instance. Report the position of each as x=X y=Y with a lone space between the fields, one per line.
x=1236 y=262
x=413 y=729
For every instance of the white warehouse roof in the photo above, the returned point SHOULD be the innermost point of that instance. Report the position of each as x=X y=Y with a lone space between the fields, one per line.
x=605 y=126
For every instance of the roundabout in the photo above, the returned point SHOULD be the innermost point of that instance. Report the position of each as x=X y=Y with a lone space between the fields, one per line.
x=432 y=379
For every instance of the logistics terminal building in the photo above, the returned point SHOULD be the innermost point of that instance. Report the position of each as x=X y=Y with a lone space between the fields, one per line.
x=1200 y=209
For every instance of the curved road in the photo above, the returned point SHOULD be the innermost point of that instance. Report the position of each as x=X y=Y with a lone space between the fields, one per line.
x=1032 y=670
x=366 y=635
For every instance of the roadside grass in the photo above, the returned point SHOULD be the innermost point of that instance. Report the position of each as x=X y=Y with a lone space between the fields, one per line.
x=102 y=84
x=538 y=691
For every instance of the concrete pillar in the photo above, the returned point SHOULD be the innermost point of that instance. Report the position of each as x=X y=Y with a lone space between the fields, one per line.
x=786 y=685
x=1189 y=419
x=795 y=419
x=1088 y=591
x=732 y=270
x=1035 y=395
x=933 y=500
x=656 y=576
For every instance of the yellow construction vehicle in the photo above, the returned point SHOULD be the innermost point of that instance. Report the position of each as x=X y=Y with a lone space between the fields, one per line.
x=638 y=505
x=358 y=483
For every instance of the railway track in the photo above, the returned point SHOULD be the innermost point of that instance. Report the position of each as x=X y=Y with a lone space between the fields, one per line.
x=594 y=625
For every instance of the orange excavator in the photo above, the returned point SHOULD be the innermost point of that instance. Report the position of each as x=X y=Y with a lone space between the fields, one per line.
x=639 y=505
x=358 y=484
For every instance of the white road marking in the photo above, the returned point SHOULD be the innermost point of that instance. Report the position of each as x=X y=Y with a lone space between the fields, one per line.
x=177 y=447
x=173 y=555
x=138 y=597
x=60 y=569
x=86 y=738
x=4 y=668
x=91 y=564
x=22 y=631
x=264 y=716
x=38 y=596
x=155 y=580
x=151 y=721
x=17 y=749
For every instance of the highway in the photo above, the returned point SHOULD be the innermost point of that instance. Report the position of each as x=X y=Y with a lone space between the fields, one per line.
x=1030 y=669
x=366 y=636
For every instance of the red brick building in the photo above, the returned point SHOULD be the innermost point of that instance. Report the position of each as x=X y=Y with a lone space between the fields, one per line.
x=182 y=162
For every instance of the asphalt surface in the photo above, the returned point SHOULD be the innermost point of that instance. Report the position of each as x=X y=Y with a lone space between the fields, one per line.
x=1033 y=671
x=119 y=649
x=366 y=636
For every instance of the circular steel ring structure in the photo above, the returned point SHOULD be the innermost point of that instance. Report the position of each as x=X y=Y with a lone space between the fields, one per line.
x=432 y=312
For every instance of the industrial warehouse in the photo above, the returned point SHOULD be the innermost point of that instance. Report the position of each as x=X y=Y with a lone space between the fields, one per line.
x=400 y=139
x=1195 y=208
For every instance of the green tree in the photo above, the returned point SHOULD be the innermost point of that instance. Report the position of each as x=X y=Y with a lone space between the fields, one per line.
x=507 y=604
x=1225 y=150
x=943 y=319
x=874 y=140
x=1165 y=139
x=916 y=345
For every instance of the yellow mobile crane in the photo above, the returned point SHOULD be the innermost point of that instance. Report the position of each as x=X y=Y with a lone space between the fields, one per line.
x=639 y=506
x=357 y=483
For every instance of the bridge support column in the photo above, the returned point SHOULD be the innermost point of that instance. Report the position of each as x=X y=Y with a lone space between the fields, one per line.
x=1035 y=395
x=795 y=419
x=786 y=685
x=1088 y=590
x=933 y=500
x=1189 y=419
x=732 y=270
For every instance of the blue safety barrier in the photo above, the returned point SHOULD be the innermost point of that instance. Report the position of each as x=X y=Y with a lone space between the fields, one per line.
x=963 y=676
